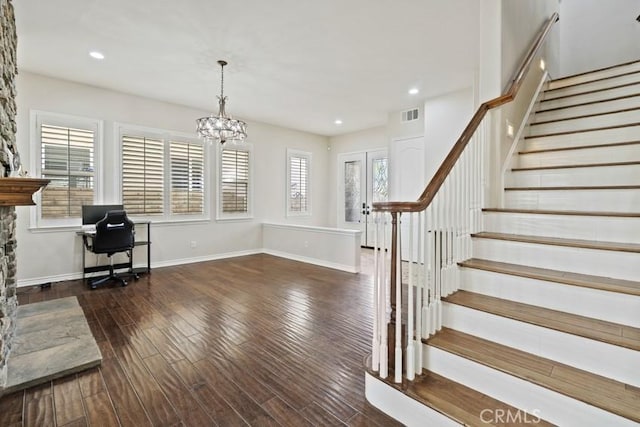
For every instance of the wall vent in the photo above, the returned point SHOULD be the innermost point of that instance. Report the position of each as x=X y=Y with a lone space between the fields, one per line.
x=410 y=115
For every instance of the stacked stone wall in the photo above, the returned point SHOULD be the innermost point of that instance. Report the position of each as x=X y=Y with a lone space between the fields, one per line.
x=8 y=161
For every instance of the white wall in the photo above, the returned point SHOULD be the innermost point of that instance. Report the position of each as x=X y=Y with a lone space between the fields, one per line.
x=597 y=34
x=56 y=255
x=368 y=139
x=445 y=118
x=521 y=21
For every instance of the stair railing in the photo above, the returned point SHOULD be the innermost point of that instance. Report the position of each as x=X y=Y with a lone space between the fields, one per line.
x=440 y=225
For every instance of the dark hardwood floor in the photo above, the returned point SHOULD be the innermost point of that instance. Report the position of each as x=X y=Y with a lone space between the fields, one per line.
x=255 y=340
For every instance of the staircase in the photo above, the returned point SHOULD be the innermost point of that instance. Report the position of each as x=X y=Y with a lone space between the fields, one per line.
x=545 y=327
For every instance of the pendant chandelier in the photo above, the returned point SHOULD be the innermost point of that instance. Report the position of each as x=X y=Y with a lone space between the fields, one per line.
x=221 y=128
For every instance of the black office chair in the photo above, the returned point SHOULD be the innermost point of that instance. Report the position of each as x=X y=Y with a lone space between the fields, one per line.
x=114 y=233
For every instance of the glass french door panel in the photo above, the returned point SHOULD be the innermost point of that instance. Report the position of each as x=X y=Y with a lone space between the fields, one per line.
x=352 y=190
x=377 y=190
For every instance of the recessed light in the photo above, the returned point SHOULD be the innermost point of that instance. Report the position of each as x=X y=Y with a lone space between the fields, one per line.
x=543 y=65
x=414 y=91
x=96 y=55
x=338 y=122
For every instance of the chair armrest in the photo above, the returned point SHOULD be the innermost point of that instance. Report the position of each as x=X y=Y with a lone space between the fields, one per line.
x=85 y=240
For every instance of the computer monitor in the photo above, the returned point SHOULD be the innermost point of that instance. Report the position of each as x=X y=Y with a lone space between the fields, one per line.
x=94 y=213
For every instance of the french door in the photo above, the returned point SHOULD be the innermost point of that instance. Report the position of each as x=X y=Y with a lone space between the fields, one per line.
x=363 y=179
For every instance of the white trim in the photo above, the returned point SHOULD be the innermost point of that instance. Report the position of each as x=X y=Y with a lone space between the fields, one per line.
x=239 y=146
x=36 y=118
x=309 y=157
x=314 y=261
x=518 y=138
x=323 y=230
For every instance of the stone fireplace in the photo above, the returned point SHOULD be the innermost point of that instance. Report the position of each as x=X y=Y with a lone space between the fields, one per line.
x=38 y=342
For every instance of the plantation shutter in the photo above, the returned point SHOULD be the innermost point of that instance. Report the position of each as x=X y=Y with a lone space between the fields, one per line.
x=187 y=178
x=67 y=156
x=142 y=175
x=235 y=181
x=298 y=183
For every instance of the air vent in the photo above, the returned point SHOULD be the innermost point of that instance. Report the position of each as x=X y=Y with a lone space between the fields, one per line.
x=410 y=115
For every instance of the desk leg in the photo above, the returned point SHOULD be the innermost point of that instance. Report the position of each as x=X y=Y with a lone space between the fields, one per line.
x=148 y=248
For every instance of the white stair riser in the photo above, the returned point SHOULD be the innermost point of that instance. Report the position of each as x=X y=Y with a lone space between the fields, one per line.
x=609 y=306
x=575 y=200
x=601 y=229
x=595 y=75
x=593 y=356
x=591 y=86
x=403 y=408
x=615 y=264
x=607 y=175
x=615 y=119
x=608 y=136
x=549 y=405
x=590 y=97
x=623 y=153
x=597 y=108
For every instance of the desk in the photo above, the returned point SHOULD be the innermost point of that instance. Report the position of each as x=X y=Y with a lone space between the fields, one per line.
x=128 y=265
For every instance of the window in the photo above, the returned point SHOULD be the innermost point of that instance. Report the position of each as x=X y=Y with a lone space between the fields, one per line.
x=234 y=190
x=66 y=149
x=163 y=174
x=298 y=183
x=187 y=178
x=142 y=175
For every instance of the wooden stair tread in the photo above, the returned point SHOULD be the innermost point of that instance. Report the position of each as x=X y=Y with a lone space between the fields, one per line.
x=559 y=241
x=579 y=147
x=610 y=395
x=627 y=73
x=584 y=165
x=558 y=212
x=588 y=92
x=570 y=132
x=585 y=116
x=582 y=104
x=597 y=70
x=595 y=329
x=575 y=187
x=565 y=277
x=459 y=402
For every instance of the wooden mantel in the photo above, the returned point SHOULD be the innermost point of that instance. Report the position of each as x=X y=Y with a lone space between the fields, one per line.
x=19 y=191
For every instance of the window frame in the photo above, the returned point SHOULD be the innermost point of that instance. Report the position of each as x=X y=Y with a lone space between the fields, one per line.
x=37 y=118
x=225 y=216
x=291 y=153
x=166 y=136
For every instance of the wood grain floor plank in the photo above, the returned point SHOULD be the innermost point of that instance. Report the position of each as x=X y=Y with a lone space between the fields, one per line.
x=187 y=407
x=319 y=417
x=11 y=409
x=284 y=414
x=68 y=400
x=91 y=382
x=39 y=412
x=128 y=406
x=101 y=411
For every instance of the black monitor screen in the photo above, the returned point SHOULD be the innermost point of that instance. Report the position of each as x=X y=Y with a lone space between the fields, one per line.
x=94 y=213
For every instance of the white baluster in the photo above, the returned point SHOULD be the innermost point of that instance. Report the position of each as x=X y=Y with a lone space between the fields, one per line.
x=375 y=344
x=383 y=304
x=419 y=288
x=411 y=364
x=428 y=279
x=398 y=334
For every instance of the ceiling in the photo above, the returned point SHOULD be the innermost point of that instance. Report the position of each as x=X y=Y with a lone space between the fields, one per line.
x=301 y=64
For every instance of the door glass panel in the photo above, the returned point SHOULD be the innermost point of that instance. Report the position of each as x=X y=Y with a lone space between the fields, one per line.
x=380 y=180
x=352 y=191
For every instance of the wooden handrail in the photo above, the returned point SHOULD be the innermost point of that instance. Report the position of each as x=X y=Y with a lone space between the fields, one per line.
x=445 y=168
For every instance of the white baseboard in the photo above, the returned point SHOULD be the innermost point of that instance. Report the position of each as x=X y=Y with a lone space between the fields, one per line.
x=314 y=261
x=169 y=263
x=78 y=275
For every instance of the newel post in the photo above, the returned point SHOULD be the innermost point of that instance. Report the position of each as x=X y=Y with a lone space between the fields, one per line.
x=395 y=296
